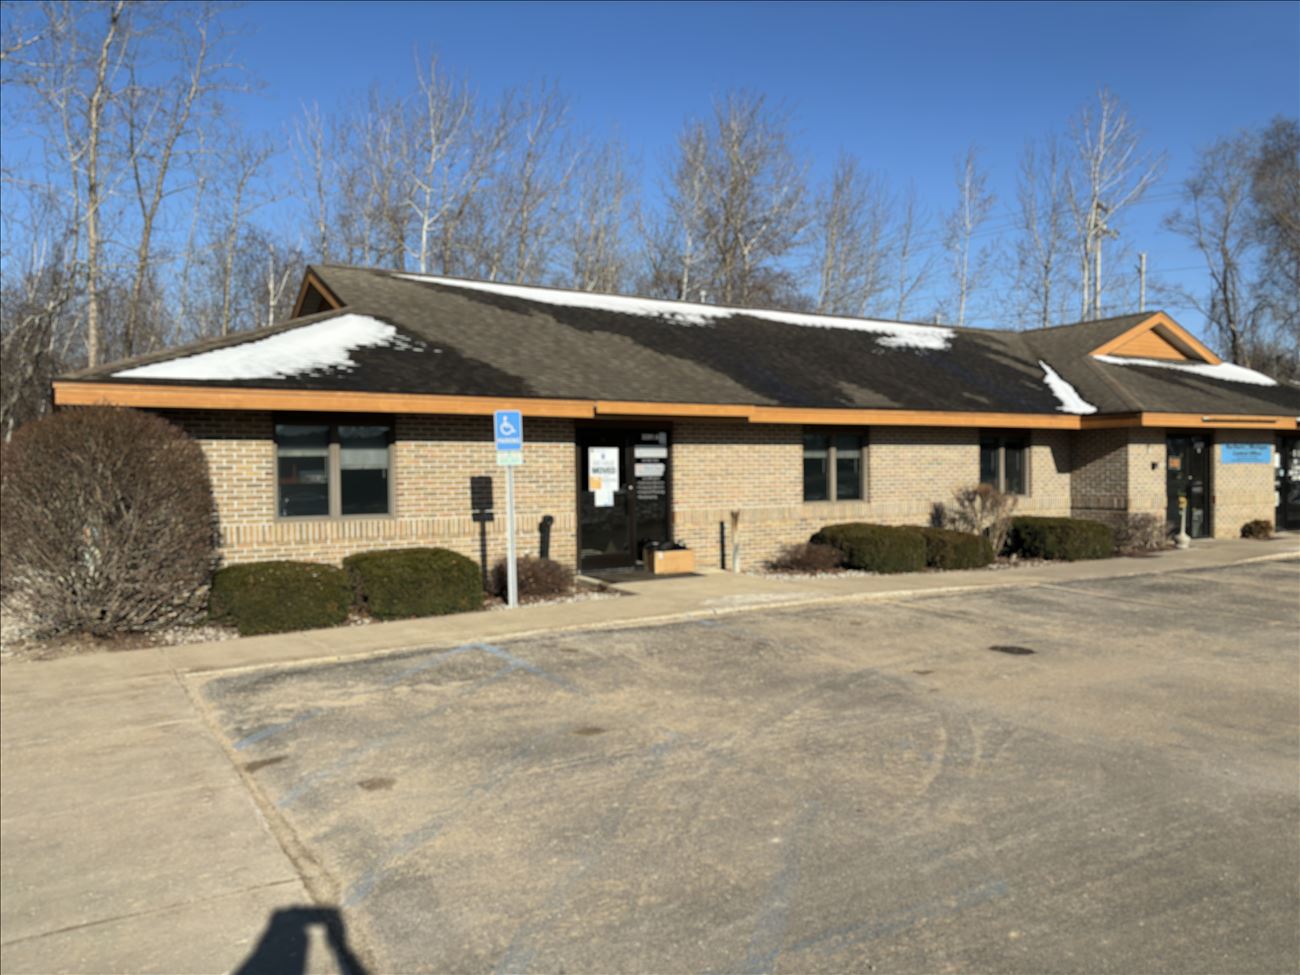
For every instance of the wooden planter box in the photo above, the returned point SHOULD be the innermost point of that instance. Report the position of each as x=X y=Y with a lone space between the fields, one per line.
x=671 y=561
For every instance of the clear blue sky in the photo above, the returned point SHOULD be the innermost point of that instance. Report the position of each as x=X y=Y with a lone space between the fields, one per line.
x=905 y=87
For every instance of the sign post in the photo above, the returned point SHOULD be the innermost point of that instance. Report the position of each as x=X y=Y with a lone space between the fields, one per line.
x=508 y=433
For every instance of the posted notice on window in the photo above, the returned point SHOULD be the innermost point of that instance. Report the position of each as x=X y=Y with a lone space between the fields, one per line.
x=602 y=474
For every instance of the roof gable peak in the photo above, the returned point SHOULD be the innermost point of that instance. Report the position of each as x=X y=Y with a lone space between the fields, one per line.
x=1157 y=337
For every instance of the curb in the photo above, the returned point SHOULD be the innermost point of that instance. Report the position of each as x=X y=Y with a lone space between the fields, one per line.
x=666 y=619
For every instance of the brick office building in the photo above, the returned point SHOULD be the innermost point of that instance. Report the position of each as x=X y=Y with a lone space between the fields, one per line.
x=365 y=422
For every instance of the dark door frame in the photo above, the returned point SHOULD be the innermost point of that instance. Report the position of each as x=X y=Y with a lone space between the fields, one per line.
x=625 y=428
x=1282 y=481
x=1207 y=529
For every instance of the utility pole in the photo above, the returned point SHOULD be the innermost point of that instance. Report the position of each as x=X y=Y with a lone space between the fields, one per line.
x=1142 y=281
x=1101 y=232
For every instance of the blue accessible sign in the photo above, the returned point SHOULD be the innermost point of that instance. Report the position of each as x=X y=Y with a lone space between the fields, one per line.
x=508 y=433
x=508 y=429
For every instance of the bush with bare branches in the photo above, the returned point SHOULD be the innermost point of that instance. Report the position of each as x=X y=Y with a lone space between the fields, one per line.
x=807 y=557
x=108 y=522
x=982 y=510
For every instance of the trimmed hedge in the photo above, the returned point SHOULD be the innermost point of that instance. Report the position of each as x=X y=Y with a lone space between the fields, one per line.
x=876 y=548
x=277 y=597
x=947 y=549
x=409 y=582
x=1067 y=539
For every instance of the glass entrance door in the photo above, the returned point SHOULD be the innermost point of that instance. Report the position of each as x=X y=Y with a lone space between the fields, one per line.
x=1287 y=482
x=1187 y=467
x=622 y=494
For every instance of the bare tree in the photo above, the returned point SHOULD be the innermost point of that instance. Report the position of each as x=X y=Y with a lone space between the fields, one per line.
x=1275 y=194
x=596 y=242
x=911 y=273
x=974 y=204
x=32 y=351
x=92 y=145
x=852 y=238
x=1042 y=229
x=1111 y=173
x=462 y=229
x=243 y=160
x=158 y=119
x=444 y=117
x=1217 y=218
x=69 y=72
x=737 y=197
x=520 y=212
x=315 y=165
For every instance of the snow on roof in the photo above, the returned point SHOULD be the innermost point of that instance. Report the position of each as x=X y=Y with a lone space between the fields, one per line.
x=893 y=335
x=1066 y=395
x=1224 y=371
x=312 y=348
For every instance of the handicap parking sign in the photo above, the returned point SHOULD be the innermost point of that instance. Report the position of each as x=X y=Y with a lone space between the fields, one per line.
x=508 y=430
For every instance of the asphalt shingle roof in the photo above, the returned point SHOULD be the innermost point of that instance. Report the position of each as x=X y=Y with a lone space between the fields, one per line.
x=476 y=340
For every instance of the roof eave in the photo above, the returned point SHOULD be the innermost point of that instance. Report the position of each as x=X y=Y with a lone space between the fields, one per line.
x=85 y=392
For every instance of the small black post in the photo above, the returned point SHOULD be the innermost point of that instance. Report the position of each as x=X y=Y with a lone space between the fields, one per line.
x=544 y=530
x=722 y=545
x=481 y=510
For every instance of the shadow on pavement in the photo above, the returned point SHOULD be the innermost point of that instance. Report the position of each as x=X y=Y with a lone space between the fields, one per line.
x=284 y=945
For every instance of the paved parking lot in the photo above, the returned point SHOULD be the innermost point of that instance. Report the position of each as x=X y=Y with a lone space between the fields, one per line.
x=1094 y=777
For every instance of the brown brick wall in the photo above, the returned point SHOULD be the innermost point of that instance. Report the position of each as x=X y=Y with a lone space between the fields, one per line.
x=722 y=467
x=1099 y=485
x=1147 y=480
x=717 y=467
x=1242 y=492
x=434 y=459
x=1117 y=472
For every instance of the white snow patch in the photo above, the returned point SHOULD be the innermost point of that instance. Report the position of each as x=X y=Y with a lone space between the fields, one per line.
x=893 y=335
x=1224 y=371
x=1066 y=395
x=312 y=348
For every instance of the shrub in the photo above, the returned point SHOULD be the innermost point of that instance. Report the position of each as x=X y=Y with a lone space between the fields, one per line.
x=108 y=522
x=807 y=557
x=277 y=597
x=409 y=582
x=1258 y=528
x=982 y=510
x=1067 y=539
x=946 y=549
x=876 y=548
x=1140 y=533
x=538 y=578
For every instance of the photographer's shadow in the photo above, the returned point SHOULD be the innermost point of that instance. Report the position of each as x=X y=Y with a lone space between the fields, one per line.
x=286 y=941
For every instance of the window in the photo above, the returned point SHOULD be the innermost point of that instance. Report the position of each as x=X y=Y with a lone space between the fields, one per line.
x=833 y=466
x=329 y=469
x=1002 y=463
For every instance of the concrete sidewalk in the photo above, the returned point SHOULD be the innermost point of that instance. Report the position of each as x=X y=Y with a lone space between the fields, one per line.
x=128 y=841
x=659 y=600
x=132 y=843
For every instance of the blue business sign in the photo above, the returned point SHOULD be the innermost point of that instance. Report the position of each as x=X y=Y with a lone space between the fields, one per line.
x=1246 y=453
x=508 y=430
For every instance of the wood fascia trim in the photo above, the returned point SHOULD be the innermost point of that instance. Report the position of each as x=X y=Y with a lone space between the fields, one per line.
x=307 y=400
x=149 y=396
x=913 y=418
x=625 y=408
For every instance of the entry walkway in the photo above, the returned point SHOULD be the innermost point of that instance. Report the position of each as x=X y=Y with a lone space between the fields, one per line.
x=131 y=842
